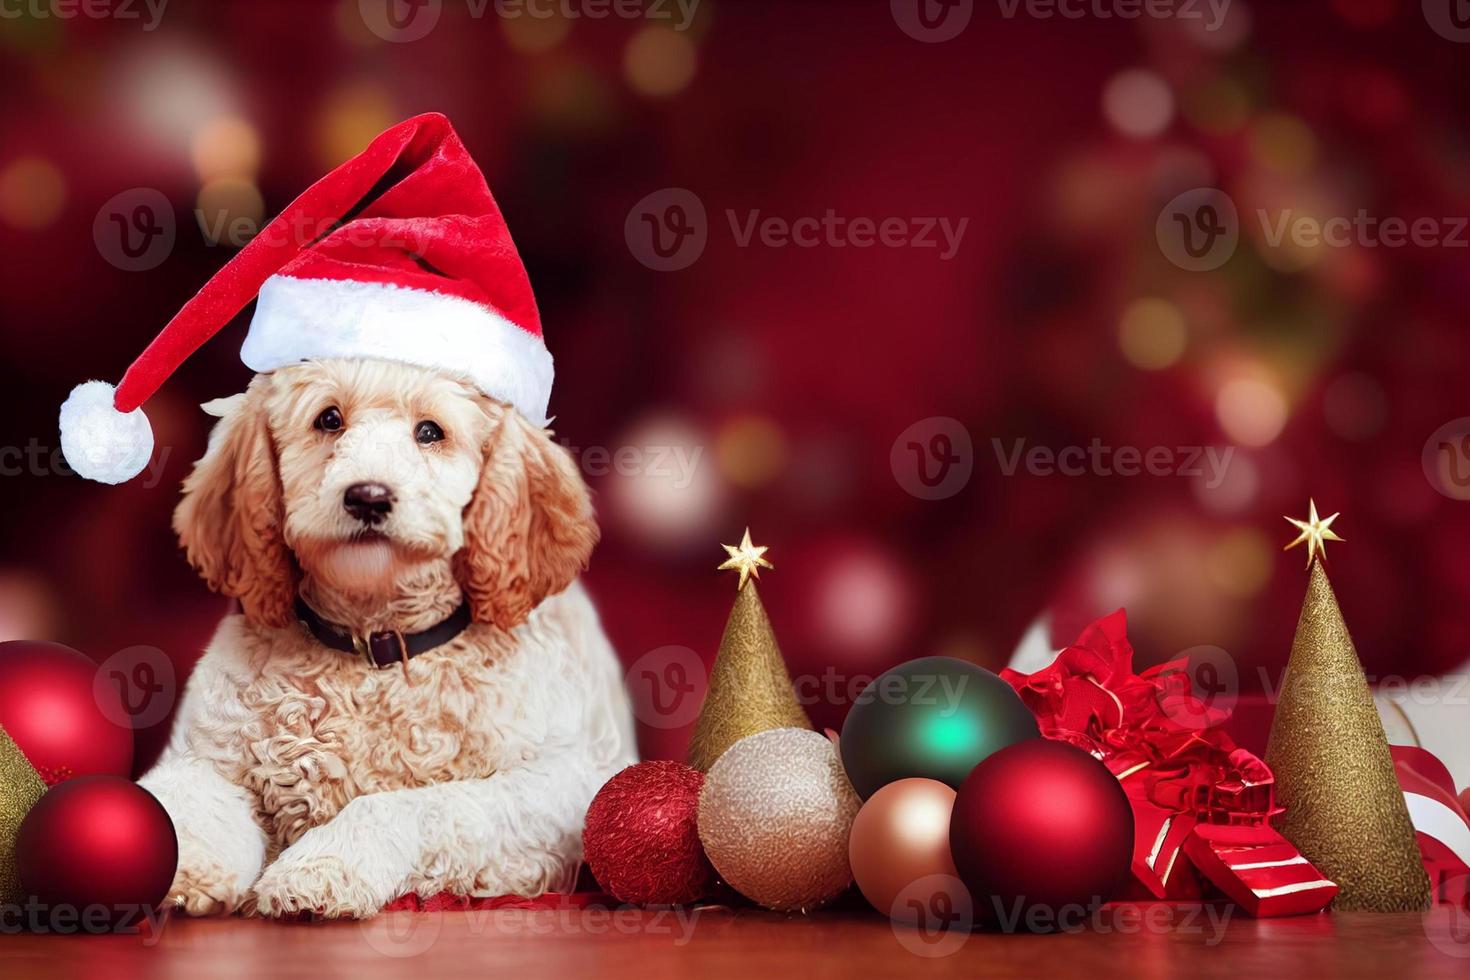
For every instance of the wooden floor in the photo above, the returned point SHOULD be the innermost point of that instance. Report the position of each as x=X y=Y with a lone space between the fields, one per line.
x=714 y=944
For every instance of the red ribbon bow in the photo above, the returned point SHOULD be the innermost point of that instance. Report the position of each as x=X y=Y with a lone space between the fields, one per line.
x=1177 y=765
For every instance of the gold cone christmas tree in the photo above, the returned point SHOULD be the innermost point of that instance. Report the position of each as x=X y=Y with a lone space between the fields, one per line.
x=749 y=688
x=1344 y=809
x=20 y=788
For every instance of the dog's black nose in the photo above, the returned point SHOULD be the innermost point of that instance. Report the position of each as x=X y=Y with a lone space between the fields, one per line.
x=368 y=502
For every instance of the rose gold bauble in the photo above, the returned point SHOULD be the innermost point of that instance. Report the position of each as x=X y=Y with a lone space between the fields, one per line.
x=901 y=835
x=775 y=812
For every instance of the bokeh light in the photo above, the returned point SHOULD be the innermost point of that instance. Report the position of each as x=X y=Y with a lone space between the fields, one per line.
x=1222 y=29
x=863 y=601
x=660 y=62
x=1251 y=410
x=1232 y=490
x=230 y=211
x=569 y=97
x=352 y=116
x=534 y=32
x=751 y=450
x=32 y=193
x=1283 y=143
x=225 y=147
x=29 y=607
x=1138 y=103
x=172 y=90
x=1152 y=334
x=1218 y=105
x=675 y=504
x=1241 y=562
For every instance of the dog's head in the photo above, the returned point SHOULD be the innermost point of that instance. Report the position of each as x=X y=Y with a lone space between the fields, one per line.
x=355 y=472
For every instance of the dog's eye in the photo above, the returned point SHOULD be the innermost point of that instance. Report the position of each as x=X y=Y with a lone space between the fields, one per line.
x=329 y=421
x=427 y=432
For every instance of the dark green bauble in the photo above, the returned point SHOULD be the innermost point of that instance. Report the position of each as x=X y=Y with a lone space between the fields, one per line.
x=936 y=718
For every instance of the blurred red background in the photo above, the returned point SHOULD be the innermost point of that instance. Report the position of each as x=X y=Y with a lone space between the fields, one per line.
x=793 y=371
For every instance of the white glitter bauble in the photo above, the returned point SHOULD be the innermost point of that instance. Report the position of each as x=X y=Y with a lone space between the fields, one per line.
x=774 y=816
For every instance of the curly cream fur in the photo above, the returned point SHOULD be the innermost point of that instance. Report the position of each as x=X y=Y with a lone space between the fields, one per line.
x=299 y=778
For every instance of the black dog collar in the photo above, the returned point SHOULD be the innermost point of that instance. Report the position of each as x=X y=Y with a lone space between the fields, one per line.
x=386 y=647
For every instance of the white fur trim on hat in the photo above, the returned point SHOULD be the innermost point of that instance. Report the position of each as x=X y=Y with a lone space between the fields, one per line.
x=313 y=319
x=99 y=442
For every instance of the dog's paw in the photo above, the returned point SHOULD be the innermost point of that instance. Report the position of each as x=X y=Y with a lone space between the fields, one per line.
x=313 y=877
x=205 y=887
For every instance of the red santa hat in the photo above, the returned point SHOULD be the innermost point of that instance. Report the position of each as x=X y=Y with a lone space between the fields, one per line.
x=399 y=254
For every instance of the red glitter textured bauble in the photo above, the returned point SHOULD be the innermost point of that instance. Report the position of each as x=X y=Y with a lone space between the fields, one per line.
x=98 y=841
x=1040 y=824
x=65 y=721
x=642 y=836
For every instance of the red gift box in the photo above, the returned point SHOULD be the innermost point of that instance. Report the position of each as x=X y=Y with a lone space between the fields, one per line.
x=1259 y=870
x=1184 y=776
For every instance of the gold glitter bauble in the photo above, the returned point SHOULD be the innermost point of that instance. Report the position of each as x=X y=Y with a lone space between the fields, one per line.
x=1344 y=809
x=775 y=813
x=749 y=689
x=20 y=788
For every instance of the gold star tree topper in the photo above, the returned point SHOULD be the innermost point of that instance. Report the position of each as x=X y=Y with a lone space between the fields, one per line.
x=1315 y=531
x=746 y=559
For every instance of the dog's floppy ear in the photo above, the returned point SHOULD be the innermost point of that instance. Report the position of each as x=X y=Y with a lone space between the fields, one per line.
x=529 y=528
x=231 y=519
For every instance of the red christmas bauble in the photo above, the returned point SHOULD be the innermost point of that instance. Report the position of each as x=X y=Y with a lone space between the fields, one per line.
x=642 y=836
x=65 y=721
x=98 y=841
x=1040 y=824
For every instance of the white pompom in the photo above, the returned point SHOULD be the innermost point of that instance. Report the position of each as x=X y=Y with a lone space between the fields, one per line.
x=98 y=441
